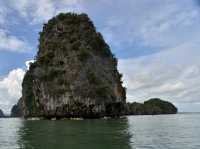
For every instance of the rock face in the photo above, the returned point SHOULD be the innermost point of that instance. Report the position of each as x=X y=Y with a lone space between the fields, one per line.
x=151 y=107
x=17 y=110
x=74 y=73
x=1 y=114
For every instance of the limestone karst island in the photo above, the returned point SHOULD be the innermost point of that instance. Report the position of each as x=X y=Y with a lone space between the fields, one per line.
x=75 y=75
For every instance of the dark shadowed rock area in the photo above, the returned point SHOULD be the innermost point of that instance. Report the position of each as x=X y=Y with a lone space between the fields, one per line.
x=151 y=107
x=74 y=73
x=1 y=114
x=17 y=110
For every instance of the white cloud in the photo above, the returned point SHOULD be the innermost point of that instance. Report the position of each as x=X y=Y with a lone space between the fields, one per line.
x=10 y=89
x=8 y=41
x=42 y=10
x=172 y=74
x=12 y=43
x=166 y=24
x=2 y=14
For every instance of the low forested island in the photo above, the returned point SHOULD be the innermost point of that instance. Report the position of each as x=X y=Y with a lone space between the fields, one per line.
x=153 y=106
x=75 y=75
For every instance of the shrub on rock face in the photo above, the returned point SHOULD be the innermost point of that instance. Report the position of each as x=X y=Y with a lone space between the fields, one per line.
x=74 y=68
x=83 y=55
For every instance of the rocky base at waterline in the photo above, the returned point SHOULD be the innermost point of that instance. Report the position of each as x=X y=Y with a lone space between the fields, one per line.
x=1 y=114
x=153 y=106
x=74 y=73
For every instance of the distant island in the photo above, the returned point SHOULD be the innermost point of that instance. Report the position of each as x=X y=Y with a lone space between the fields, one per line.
x=1 y=114
x=75 y=75
x=17 y=110
x=153 y=106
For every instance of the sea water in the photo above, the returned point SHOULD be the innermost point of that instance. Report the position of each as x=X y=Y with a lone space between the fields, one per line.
x=180 y=131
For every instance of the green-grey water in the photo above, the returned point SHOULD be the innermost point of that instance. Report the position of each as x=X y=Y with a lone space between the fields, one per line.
x=181 y=131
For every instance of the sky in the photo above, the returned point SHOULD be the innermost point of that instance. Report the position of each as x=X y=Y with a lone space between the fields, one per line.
x=157 y=44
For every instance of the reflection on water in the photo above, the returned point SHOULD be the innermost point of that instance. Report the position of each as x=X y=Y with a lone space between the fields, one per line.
x=86 y=134
x=9 y=135
x=135 y=132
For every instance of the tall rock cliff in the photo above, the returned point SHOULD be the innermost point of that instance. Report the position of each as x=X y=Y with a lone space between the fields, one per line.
x=74 y=73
